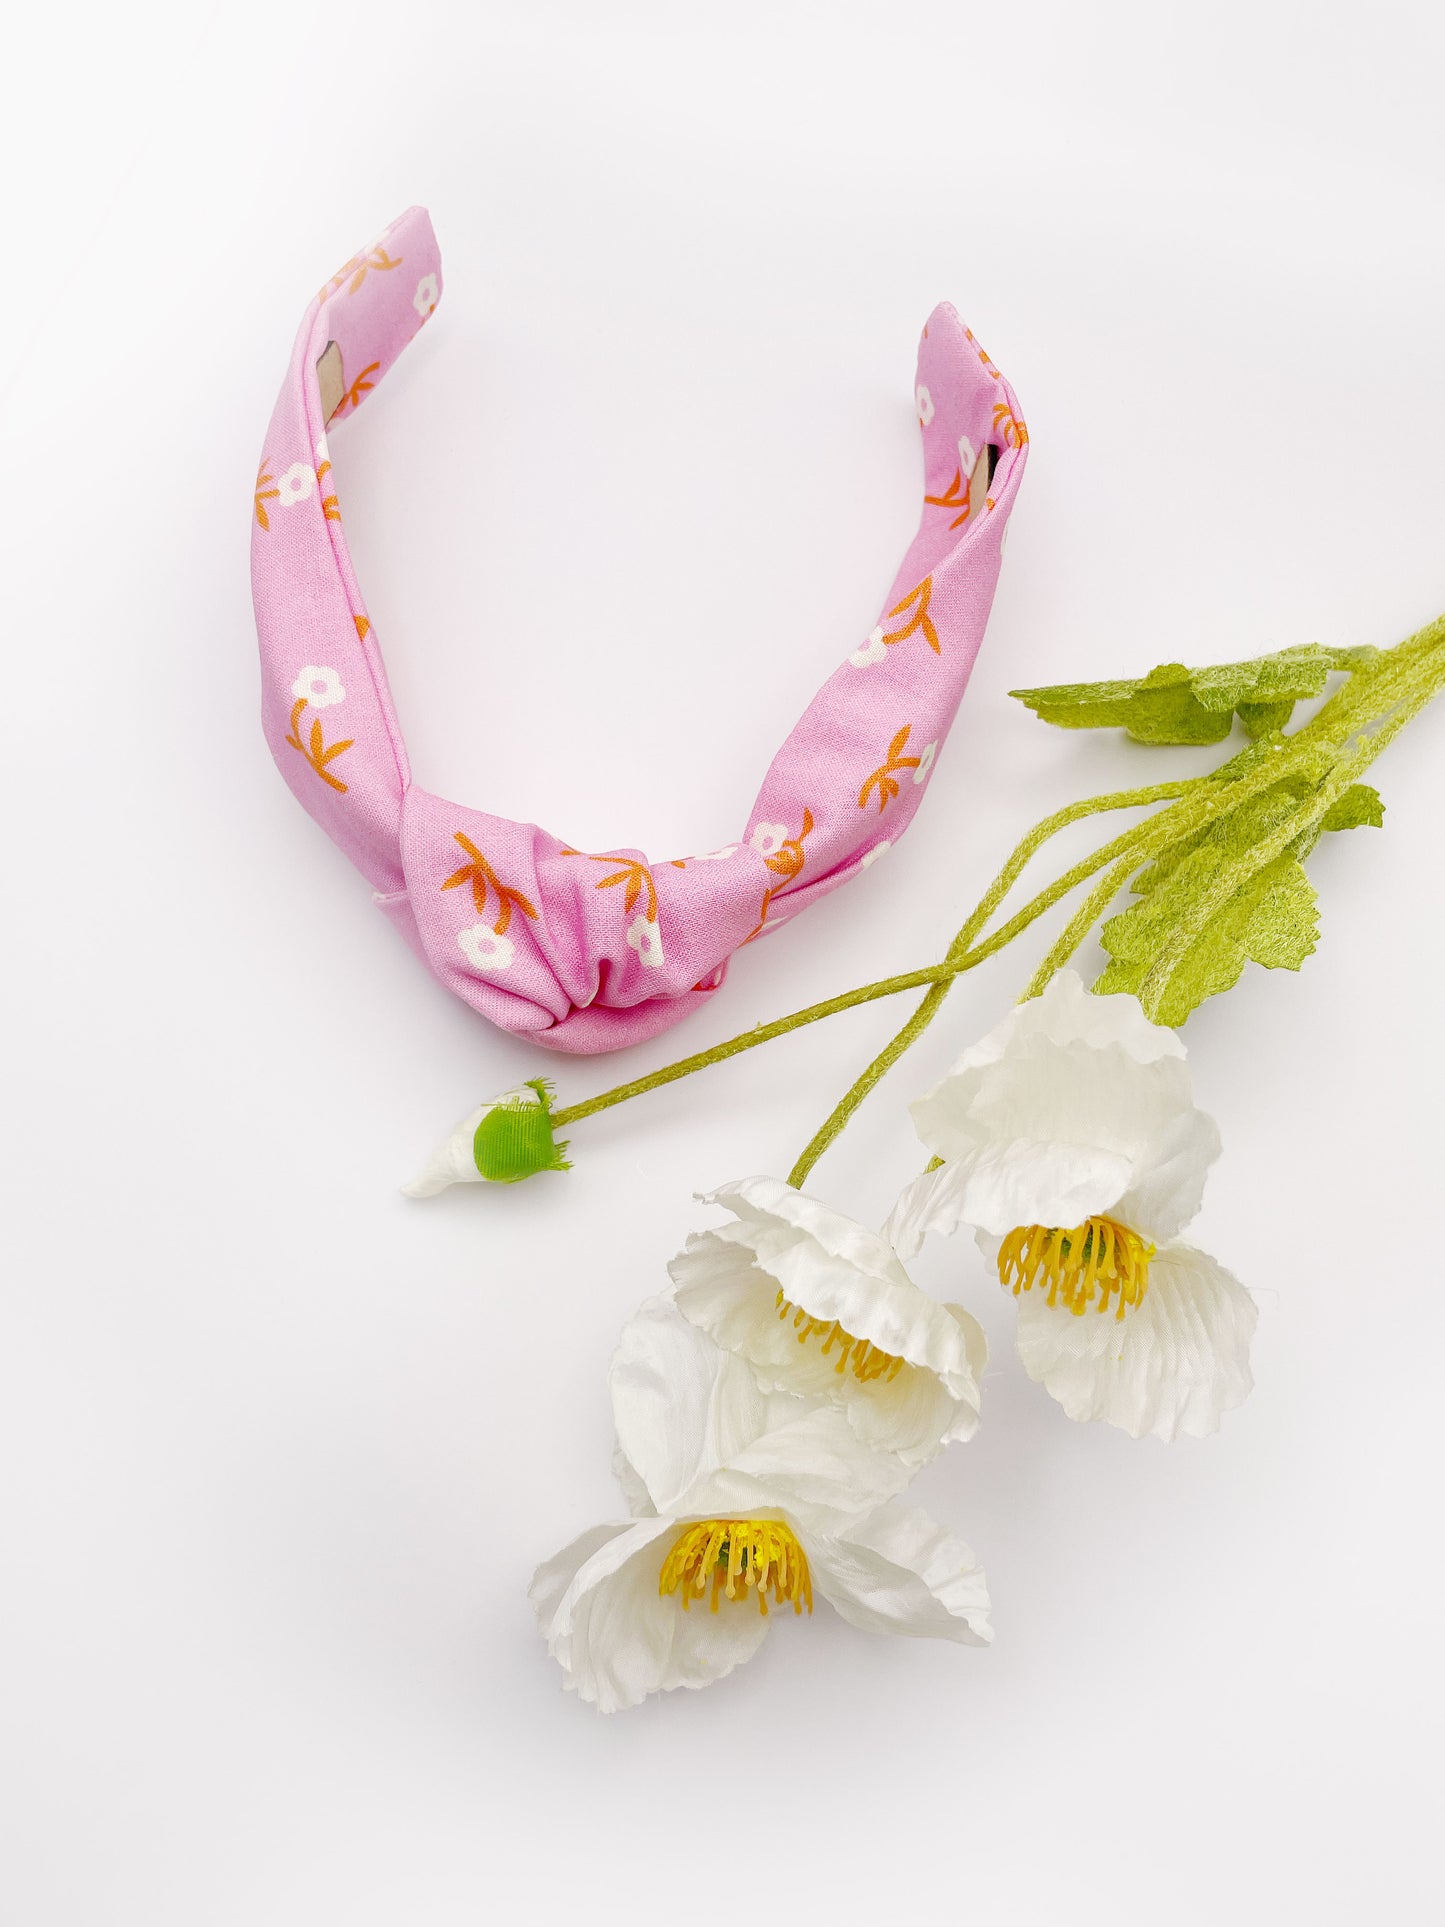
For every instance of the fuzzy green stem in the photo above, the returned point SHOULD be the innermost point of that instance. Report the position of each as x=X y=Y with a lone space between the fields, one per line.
x=930 y=1005
x=957 y=959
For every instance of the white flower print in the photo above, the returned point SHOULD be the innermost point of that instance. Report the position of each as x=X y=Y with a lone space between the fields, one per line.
x=967 y=456
x=768 y=838
x=925 y=405
x=874 y=650
x=323 y=453
x=298 y=484
x=925 y=762
x=716 y=856
x=484 y=949
x=872 y=856
x=425 y=298
x=645 y=938
x=318 y=687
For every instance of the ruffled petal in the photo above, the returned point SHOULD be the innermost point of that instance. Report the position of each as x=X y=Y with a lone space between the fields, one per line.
x=999 y=1186
x=814 y=1468
x=1166 y=1196
x=1072 y=1105
x=753 y=1285
x=900 y=1572
x=616 y=1637
x=1176 y=1363
x=680 y=1404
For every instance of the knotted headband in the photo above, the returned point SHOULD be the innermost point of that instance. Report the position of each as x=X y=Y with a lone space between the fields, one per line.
x=585 y=950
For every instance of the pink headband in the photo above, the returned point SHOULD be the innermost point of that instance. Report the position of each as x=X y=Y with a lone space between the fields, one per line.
x=590 y=951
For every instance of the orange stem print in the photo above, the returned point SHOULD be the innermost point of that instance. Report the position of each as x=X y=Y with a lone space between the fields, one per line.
x=918 y=601
x=330 y=507
x=264 y=493
x=1007 y=424
x=357 y=267
x=315 y=749
x=788 y=860
x=483 y=879
x=361 y=386
x=981 y=355
x=885 y=775
x=955 y=496
x=637 y=876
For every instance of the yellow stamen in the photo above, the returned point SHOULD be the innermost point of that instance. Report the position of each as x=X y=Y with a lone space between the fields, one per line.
x=1093 y=1261
x=733 y=1556
x=857 y=1355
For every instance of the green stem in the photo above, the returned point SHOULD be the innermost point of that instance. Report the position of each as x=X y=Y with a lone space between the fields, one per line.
x=957 y=959
x=930 y=1005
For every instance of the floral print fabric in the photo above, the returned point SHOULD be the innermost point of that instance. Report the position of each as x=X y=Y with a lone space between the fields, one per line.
x=591 y=951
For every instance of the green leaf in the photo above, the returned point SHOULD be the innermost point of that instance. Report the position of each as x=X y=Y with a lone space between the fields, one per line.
x=1176 y=704
x=1272 y=921
x=1360 y=807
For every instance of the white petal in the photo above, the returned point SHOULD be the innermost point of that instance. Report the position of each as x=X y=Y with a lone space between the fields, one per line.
x=615 y=1636
x=452 y=1161
x=681 y=1405
x=999 y=1186
x=899 y=1572
x=1070 y=1106
x=1166 y=1196
x=813 y=1467
x=834 y=1270
x=1068 y=1012
x=1176 y=1363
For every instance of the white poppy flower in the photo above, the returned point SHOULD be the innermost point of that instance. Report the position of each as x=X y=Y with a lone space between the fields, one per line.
x=768 y=838
x=502 y=1141
x=739 y=1496
x=880 y=848
x=1070 y=1142
x=645 y=938
x=318 y=687
x=874 y=650
x=425 y=298
x=925 y=404
x=484 y=949
x=297 y=484
x=821 y=1306
x=925 y=762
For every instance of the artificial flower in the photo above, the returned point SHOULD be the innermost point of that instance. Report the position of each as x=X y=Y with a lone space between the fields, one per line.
x=739 y=1496
x=821 y=1306
x=298 y=484
x=1070 y=1142
x=502 y=1141
x=318 y=687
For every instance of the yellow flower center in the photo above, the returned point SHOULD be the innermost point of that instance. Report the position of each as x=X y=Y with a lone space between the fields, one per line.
x=732 y=1556
x=1081 y=1267
x=864 y=1360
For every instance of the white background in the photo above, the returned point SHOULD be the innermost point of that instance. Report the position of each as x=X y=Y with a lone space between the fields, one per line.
x=278 y=1450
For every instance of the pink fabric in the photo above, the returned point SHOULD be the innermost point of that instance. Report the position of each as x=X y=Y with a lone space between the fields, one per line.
x=591 y=951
